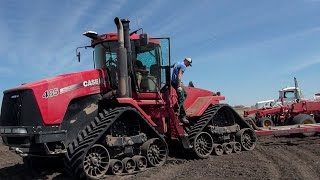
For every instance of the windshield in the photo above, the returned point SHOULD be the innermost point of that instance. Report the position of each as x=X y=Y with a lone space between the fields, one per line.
x=289 y=95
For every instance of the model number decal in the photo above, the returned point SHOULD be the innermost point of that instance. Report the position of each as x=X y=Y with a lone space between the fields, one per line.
x=50 y=93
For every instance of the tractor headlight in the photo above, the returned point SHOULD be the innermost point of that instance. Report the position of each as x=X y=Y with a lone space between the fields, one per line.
x=19 y=130
x=7 y=130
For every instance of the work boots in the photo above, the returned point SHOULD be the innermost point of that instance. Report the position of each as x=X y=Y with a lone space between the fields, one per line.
x=184 y=120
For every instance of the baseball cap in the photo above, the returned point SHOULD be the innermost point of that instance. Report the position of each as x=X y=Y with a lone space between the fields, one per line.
x=188 y=59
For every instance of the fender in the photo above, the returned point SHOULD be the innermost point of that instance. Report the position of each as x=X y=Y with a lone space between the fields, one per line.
x=79 y=114
x=201 y=104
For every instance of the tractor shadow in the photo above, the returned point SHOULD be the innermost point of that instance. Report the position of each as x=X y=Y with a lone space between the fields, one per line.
x=21 y=171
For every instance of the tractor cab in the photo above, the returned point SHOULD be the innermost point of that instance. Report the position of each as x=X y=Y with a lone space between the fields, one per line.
x=290 y=95
x=148 y=66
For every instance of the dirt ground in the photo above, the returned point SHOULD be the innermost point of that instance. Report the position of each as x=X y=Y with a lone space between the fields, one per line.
x=273 y=158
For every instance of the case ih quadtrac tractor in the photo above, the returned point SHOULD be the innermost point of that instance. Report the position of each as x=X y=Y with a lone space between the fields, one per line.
x=121 y=117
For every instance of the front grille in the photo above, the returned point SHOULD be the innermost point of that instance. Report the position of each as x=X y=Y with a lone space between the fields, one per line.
x=19 y=108
x=11 y=108
x=18 y=141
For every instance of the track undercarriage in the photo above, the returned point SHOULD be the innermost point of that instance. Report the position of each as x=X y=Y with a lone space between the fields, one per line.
x=220 y=130
x=121 y=142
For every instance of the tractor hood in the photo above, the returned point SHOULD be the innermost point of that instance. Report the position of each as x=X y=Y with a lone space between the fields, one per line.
x=53 y=95
x=60 y=79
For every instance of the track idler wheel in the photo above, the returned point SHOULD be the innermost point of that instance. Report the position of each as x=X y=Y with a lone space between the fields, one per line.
x=217 y=149
x=115 y=167
x=227 y=148
x=156 y=151
x=96 y=161
x=247 y=138
x=236 y=147
x=129 y=165
x=203 y=145
x=141 y=162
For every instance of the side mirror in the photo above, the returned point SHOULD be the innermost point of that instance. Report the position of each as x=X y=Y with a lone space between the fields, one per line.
x=218 y=93
x=78 y=56
x=143 y=39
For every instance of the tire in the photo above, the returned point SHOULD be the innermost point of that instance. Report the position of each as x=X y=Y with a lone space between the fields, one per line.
x=304 y=119
x=265 y=122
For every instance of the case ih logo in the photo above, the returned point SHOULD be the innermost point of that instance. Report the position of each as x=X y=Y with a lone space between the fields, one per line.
x=91 y=82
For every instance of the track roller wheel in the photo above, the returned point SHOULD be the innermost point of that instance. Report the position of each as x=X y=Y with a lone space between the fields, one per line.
x=227 y=148
x=156 y=151
x=141 y=162
x=115 y=167
x=236 y=147
x=129 y=165
x=247 y=138
x=217 y=149
x=203 y=145
x=96 y=161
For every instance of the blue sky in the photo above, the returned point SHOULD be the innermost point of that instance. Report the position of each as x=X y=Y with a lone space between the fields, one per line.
x=248 y=50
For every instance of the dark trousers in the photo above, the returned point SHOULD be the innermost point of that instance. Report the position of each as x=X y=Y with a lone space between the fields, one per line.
x=181 y=98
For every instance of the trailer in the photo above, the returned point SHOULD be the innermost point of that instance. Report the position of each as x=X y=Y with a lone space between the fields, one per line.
x=288 y=130
x=301 y=112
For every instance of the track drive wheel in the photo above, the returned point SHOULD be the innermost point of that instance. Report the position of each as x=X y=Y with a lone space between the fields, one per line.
x=96 y=161
x=156 y=151
x=203 y=145
x=247 y=138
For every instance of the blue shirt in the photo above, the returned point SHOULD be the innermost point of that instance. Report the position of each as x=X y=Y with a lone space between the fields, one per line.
x=175 y=73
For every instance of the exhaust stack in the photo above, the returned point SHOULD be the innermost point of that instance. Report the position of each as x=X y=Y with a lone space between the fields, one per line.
x=122 y=62
x=127 y=45
x=296 y=92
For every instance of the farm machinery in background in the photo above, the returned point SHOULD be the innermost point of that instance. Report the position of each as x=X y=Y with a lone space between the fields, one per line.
x=287 y=96
x=290 y=109
x=117 y=119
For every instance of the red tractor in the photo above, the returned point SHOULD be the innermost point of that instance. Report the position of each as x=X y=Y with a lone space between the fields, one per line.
x=121 y=117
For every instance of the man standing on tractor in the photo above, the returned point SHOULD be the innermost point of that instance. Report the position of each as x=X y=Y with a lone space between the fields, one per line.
x=176 y=82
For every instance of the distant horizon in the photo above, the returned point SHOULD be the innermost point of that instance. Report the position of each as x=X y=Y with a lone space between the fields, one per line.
x=247 y=50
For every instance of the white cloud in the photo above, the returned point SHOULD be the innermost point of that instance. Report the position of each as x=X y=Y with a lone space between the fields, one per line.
x=303 y=64
x=258 y=46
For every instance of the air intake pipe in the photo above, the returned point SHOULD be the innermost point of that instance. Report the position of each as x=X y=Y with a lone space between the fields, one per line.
x=127 y=45
x=123 y=90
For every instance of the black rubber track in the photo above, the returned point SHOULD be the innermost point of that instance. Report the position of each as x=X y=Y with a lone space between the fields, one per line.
x=208 y=115
x=90 y=135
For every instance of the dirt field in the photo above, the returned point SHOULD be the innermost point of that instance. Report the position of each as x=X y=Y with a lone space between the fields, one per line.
x=273 y=158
